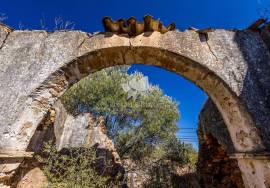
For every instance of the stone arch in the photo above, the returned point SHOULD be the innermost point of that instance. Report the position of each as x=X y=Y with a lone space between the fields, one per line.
x=235 y=115
x=67 y=57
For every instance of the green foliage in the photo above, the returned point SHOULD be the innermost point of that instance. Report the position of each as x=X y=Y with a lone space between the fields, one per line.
x=172 y=155
x=72 y=169
x=161 y=176
x=143 y=128
x=136 y=125
x=192 y=155
x=180 y=152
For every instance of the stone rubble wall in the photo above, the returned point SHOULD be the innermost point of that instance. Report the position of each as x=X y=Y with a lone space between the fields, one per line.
x=214 y=166
x=67 y=131
x=139 y=175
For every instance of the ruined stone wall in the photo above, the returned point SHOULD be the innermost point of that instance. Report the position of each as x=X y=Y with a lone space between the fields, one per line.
x=215 y=168
x=232 y=67
x=67 y=131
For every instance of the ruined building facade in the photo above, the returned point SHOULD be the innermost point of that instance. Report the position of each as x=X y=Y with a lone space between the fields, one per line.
x=232 y=67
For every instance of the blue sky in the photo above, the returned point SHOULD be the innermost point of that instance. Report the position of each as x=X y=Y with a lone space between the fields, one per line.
x=87 y=16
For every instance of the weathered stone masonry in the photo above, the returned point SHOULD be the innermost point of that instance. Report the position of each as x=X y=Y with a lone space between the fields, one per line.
x=215 y=168
x=232 y=67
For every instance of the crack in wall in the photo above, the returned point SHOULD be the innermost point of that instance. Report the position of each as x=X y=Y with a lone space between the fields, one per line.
x=81 y=43
x=212 y=52
x=4 y=41
x=204 y=38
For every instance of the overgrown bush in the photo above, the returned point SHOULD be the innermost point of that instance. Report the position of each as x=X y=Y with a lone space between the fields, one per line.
x=70 y=168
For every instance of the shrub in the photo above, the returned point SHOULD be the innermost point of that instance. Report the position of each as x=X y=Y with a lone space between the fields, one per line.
x=70 y=168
